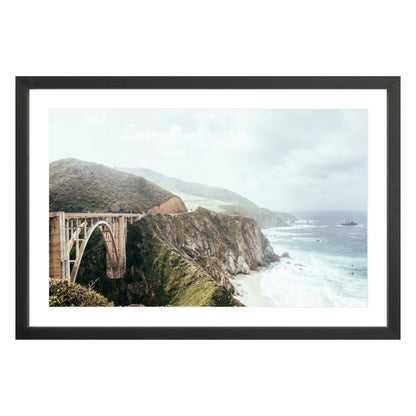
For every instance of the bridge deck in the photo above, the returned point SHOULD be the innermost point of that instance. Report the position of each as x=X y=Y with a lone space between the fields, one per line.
x=95 y=214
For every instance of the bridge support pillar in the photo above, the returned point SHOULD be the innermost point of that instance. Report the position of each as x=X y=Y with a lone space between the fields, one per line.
x=121 y=240
x=116 y=263
x=58 y=256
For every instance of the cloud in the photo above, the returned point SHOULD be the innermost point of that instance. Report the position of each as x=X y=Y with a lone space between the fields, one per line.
x=281 y=159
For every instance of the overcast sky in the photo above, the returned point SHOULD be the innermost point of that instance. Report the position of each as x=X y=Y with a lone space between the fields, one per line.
x=287 y=160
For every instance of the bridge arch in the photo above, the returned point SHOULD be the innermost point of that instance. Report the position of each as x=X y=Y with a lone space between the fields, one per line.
x=113 y=257
x=69 y=230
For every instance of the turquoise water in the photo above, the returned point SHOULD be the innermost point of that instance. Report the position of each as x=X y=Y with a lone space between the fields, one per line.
x=327 y=263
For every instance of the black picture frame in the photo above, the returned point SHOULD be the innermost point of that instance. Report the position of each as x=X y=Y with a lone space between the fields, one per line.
x=389 y=83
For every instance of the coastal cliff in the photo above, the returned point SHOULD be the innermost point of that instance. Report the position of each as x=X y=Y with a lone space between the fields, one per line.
x=186 y=258
x=180 y=260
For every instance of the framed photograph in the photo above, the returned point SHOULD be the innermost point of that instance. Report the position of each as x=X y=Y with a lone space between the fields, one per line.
x=208 y=207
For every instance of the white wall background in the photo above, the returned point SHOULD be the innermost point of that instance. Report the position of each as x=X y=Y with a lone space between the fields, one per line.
x=210 y=38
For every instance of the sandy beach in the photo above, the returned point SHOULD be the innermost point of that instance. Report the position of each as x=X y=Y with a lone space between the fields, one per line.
x=248 y=287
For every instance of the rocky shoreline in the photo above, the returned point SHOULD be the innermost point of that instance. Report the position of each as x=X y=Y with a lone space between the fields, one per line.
x=216 y=245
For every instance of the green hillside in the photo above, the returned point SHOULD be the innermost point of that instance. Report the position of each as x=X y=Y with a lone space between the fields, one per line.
x=78 y=186
x=214 y=198
x=195 y=189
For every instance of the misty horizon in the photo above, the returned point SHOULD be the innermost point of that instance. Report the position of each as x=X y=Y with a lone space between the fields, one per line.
x=283 y=160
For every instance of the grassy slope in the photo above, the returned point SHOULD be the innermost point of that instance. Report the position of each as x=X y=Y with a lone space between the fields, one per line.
x=166 y=275
x=77 y=186
x=63 y=293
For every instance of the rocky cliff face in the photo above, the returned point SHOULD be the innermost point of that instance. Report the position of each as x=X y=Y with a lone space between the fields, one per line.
x=213 y=244
x=173 y=205
x=180 y=260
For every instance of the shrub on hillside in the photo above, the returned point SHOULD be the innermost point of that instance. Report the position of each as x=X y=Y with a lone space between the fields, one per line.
x=63 y=293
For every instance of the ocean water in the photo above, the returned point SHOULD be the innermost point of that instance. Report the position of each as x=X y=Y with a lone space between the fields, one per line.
x=327 y=263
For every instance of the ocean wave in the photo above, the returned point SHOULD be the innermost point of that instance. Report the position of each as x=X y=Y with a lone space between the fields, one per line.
x=300 y=221
x=327 y=265
x=314 y=239
x=351 y=226
x=282 y=234
x=312 y=278
x=308 y=226
x=312 y=284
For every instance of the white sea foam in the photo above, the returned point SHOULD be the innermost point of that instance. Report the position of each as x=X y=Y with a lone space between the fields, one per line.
x=305 y=221
x=306 y=226
x=306 y=238
x=306 y=280
x=325 y=267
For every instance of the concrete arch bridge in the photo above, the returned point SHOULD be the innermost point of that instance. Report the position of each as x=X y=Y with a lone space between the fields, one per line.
x=69 y=234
